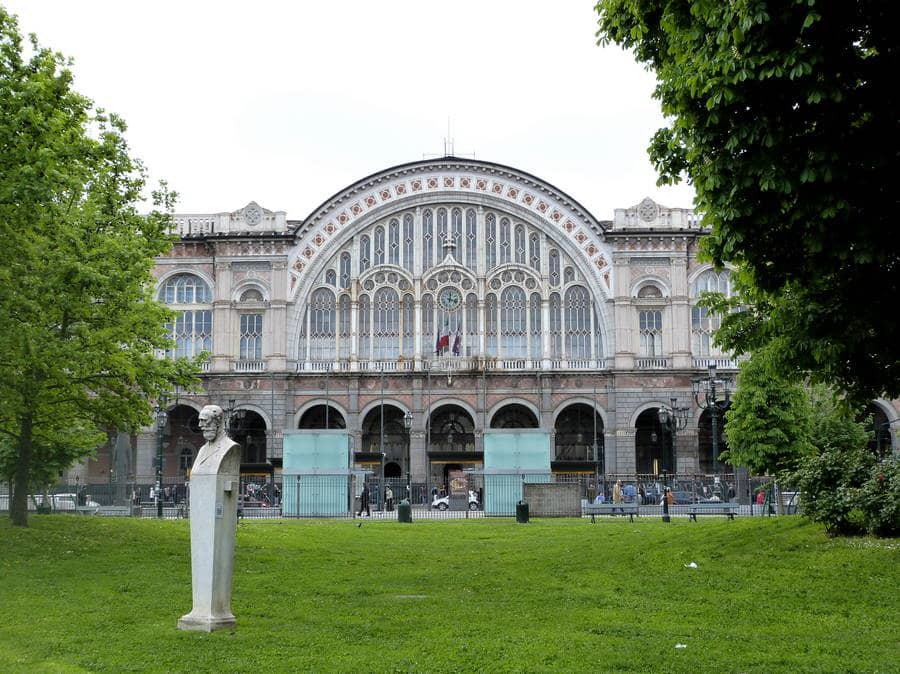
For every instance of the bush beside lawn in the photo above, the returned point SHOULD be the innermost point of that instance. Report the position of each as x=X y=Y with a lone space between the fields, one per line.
x=91 y=594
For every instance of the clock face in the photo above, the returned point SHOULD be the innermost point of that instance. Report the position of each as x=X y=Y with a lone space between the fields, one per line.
x=449 y=298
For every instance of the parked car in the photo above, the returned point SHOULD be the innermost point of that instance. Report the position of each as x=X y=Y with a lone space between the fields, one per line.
x=443 y=502
x=69 y=502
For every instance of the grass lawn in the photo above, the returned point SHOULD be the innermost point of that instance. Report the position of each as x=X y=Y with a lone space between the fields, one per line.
x=92 y=594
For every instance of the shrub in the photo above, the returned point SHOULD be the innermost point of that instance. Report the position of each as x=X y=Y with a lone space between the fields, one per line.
x=879 y=499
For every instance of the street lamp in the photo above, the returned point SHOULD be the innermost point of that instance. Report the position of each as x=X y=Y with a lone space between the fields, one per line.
x=161 y=416
x=407 y=424
x=709 y=388
x=671 y=419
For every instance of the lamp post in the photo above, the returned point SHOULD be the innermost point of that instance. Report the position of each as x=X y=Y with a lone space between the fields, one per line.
x=161 y=416
x=710 y=387
x=672 y=419
x=407 y=424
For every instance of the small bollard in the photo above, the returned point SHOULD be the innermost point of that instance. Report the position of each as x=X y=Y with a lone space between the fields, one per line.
x=404 y=511
x=522 y=512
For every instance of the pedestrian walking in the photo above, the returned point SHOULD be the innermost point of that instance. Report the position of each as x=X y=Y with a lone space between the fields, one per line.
x=364 y=501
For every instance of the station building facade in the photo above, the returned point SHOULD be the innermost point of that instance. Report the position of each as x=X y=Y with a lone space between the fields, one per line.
x=429 y=302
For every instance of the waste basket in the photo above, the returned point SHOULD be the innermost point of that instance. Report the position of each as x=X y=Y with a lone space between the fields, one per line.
x=522 y=512
x=404 y=511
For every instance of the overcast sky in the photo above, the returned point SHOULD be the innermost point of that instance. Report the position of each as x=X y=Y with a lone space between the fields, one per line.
x=287 y=103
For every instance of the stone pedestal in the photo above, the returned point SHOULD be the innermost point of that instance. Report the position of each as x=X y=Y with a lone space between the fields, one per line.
x=214 y=492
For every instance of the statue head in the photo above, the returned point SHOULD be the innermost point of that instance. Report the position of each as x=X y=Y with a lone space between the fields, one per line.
x=212 y=422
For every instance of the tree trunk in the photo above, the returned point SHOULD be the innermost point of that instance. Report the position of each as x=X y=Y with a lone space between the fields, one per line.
x=18 y=509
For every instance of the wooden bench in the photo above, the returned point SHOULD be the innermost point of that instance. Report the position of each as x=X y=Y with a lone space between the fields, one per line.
x=712 y=509
x=592 y=509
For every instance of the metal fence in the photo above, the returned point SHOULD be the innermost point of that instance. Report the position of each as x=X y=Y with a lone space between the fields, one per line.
x=370 y=496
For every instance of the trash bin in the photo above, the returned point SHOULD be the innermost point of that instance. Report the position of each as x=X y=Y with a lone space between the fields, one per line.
x=522 y=512
x=404 y=511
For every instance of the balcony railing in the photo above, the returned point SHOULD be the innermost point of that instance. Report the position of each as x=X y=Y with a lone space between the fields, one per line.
x=249 y=366
x=651 y=363
x=720 y=363
x=454 y=364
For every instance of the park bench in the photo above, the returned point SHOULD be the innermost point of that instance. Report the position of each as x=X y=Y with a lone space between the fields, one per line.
x=712 y=509
x=592 y=509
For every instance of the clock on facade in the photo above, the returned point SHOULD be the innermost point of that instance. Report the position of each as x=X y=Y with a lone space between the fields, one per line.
x=449 y=298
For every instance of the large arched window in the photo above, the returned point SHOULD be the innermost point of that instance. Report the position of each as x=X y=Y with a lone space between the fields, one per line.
x=379 y=245
x=394 y=242
x=344 y=312
x=650 y=326
x=512 y=323
x=471 y=324
x=578 y=323
x=322 y=325
x=554 y=267
x=555 y=326
x=192 y=329
x=345 y=270
x=457 y=233
x=520 y=244
x=408 y=240
x=365 y=254
x=409 y=326
x=490 y=240
x=387 y=324
x=704 y=323
x=535 y=328
x=427 y=240
x=490 y=324
x=471 y=240
x=534 y=249
x=505 y=241
x=364 y=323
x=427 y=323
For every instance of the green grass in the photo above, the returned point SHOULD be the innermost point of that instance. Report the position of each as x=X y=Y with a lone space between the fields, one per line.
x=92 y=594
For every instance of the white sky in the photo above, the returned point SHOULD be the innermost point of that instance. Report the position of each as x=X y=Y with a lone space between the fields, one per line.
x=286 y=103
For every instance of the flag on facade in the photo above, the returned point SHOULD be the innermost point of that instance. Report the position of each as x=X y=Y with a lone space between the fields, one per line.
x=457 y=343
x=443 y=340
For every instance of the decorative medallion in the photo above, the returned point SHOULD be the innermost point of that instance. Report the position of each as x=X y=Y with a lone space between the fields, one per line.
x=648 y=211
x=253 y=215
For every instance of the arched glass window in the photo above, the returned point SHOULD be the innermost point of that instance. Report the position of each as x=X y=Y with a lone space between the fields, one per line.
x=409 y=326
x=471 y=240
x=513 y=338
x=379 y=245
x=252 y=295
x=704 y=323
x=345 y=270
x=471 y=324
x=386 y=334
x=251 y=336
x=192 y=328
x=365 y=253
x=394 y=242
x=490 y=324
x=322 y=325
x=554 y=267
x=427 y=324
x=345 y=325
x=185 y=289
x=303 y=342
x=555 y=326
x=520 y=244
x=427 y=240
x=441 y=228
x=534 y=247
x=364 y=323
x=505 y=242
x=598 y=337
x=457 y=233
x=569 y=274
x=490 y=241
x=578 y=323
x=331 y=278
x=535 y=311
x=408 y=239
x=650 y=325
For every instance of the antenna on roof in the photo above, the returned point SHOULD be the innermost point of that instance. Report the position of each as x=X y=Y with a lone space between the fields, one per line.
x=449 y=147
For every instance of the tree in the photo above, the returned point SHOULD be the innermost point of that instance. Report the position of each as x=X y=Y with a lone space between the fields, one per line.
x=768 y=422
x=78 y=324
x=784 y=119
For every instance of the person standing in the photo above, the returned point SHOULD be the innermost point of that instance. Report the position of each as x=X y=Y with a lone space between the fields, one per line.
x=388 y=498
x=364 y=501
x=617 y=492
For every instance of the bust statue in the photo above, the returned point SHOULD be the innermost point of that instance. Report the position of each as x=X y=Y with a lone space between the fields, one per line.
x=215 y=486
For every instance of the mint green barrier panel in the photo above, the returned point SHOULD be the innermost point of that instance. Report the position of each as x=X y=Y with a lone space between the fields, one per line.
x=511 y=456
x=316 y=479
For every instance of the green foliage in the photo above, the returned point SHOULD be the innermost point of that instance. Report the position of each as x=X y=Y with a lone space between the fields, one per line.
x=783 y=117
x=844 y=485
x=768 y=422
x=80 y=327
x=103 y=595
